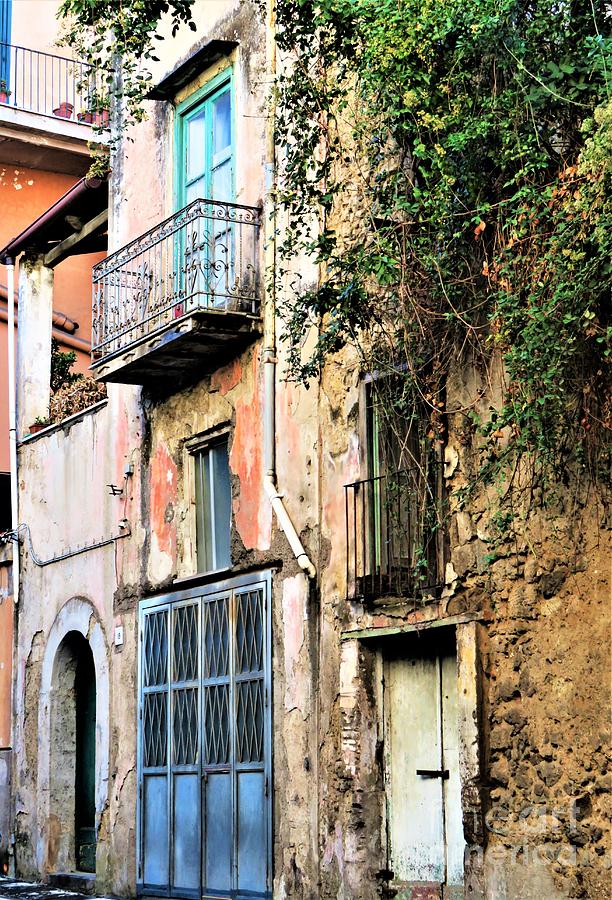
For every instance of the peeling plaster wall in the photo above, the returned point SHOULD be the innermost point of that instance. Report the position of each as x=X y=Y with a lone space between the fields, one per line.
x=232 y=398
x=531 y=627
x=65 y=500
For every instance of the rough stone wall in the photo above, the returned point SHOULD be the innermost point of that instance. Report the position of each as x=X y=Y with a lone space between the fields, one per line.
x=536 y=789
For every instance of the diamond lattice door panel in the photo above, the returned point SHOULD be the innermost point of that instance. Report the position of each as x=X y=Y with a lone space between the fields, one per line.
x=204 y=747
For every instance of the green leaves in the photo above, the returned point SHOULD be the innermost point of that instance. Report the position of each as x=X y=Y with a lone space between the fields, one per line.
x=453 y=114
x=105 y=33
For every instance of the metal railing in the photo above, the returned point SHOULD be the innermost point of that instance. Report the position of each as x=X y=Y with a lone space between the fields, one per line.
x=201 y=259
x=392 y=535
x=50 y=85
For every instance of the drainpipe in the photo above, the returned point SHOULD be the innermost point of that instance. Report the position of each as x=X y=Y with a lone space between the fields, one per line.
x=269 y=325
x=10 y=271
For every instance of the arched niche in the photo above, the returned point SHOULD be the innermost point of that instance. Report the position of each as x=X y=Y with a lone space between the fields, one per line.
x=75 y=671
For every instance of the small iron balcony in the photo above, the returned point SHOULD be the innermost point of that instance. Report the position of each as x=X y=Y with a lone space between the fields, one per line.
x=393 y=536
x=50 y=85
x=179 y=299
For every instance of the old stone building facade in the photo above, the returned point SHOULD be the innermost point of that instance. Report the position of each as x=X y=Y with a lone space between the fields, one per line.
x=213 y=631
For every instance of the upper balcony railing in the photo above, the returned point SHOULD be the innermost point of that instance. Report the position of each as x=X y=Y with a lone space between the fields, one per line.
x=50 y=85
x=202 y=259
x=393 y=535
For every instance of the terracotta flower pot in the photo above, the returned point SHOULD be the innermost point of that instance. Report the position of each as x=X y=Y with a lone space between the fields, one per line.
x=38 y=426
x=85 y=117
x=4 y=96
x=101 y=118
x=64 y=110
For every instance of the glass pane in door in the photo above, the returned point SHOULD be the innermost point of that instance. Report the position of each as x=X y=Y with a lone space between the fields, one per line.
x=222 y=123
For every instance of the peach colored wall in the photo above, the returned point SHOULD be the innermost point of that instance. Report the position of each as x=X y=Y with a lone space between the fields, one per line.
x=24 y=195
x=6 y=659
x=34 y=25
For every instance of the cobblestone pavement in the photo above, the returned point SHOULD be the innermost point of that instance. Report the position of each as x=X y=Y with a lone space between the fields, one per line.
x=12 y=889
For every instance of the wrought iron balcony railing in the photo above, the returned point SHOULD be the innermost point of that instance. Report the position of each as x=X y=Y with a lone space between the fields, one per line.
x=50 y=85
x=202 y=259
x=393 y=535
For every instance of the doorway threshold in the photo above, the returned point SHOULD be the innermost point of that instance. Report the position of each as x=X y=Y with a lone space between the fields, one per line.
x=79 y=882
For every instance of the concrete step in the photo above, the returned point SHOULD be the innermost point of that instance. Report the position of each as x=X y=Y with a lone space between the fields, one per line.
x=79 y=882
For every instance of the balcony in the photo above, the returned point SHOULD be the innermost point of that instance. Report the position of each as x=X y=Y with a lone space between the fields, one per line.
x=50 y=85
x=180 y=300
x=48 y=105
x=393 y=536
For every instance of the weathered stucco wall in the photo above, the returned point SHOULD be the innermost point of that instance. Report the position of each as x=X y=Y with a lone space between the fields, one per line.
x=67 y=505
x=530 y=616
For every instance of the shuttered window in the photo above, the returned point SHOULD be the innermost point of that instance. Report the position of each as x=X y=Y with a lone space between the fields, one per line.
x=5 y=39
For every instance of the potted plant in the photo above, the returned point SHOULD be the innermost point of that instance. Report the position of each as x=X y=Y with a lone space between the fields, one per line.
x=64 y=110
x=4 y=92
x=85 y=115
x=38 y=424
x=101 y=118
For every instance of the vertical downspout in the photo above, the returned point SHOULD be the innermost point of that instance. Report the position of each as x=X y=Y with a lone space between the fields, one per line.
x=12 y=410
x=269 y=319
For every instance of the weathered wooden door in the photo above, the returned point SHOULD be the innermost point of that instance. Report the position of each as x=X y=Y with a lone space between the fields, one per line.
x=425 y=830
x=204 y=746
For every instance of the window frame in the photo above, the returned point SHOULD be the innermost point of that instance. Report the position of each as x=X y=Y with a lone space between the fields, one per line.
x=193 y=447
x=203 y=98
x=374 y=464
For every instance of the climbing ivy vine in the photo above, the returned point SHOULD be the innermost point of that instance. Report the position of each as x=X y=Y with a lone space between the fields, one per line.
x=118 y=38
x=461 y=157
x=448 y=166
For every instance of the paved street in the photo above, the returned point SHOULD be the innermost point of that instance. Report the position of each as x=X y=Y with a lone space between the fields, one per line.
x=11 y=889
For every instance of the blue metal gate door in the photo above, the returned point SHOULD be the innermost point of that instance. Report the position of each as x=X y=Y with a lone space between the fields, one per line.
x=250 y=703
x=236 y=743
x=154 y=740
x=185 y=704
x=205 y=743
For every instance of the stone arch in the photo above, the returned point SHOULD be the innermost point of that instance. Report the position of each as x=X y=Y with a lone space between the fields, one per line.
x=76 y=622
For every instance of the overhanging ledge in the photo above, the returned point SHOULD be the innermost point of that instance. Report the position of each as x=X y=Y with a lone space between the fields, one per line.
x=374 y=633
x=193 y=66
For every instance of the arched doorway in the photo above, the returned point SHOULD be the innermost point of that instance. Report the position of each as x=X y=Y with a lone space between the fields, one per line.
x=73 y=763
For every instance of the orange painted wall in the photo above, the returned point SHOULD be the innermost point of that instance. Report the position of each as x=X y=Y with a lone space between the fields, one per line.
x=6 y=657
x=24 y=195
x=4 y=423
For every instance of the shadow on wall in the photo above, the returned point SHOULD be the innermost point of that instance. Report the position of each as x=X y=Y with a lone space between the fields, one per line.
x=72 y=836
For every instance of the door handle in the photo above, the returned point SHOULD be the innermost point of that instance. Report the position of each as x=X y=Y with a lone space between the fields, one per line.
x=433 y=773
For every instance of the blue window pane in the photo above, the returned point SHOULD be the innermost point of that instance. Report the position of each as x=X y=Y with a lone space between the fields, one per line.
x=213 y=497
x=222 y=123
x=196 y=146
x=222 y=505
